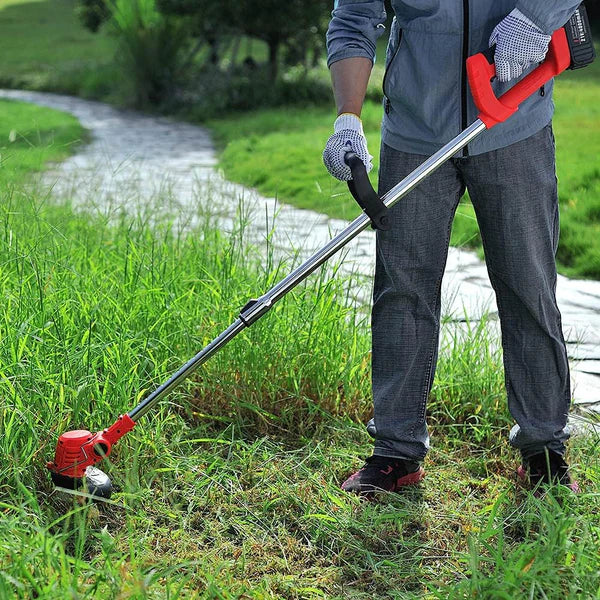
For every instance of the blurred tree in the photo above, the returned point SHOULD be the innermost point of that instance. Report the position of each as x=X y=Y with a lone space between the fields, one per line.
x=207 y=22
x=150 y=45
x=298 y=24
x=92 y=13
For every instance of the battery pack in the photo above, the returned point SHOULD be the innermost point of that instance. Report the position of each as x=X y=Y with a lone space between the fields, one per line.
x=579 y=37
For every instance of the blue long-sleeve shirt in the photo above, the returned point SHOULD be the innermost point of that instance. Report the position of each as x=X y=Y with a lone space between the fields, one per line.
x=427 y=98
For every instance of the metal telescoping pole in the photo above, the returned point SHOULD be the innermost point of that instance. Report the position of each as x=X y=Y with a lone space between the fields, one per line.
x=255 y=309
x=151 y=400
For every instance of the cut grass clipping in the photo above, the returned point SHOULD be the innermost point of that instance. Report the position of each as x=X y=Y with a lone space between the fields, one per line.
x=231 y=489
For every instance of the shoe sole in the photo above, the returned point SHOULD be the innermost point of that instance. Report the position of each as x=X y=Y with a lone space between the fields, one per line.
x=411 y=478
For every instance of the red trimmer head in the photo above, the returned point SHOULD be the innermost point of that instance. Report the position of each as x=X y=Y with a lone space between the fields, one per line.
x=77 y=451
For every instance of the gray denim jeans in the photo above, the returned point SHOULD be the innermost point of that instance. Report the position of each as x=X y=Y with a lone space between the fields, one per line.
x=514 y=193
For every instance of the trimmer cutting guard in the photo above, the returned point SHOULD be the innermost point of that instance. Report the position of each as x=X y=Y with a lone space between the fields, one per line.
x=79 y=449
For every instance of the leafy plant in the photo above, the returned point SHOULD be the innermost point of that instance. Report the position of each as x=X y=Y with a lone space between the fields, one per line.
x=150 y=49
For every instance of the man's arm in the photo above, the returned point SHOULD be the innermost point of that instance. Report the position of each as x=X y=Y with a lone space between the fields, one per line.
x=351 y=43
x=548 y=15
x=350 y=77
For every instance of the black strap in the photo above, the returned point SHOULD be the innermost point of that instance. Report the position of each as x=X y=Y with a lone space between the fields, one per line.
x=362 y=190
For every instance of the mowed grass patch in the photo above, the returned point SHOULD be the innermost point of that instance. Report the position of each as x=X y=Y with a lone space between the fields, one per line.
x=279 y=153
x=94 y=315
x=44 y=47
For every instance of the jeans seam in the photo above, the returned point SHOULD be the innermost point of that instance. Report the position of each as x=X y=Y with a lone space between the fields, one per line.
x=435 y=337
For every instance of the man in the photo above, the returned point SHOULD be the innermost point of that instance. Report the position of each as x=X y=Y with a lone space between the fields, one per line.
x=510 y=174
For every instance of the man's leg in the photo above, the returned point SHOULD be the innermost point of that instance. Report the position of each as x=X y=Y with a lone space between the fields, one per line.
x=410 y=263
x=515 y=197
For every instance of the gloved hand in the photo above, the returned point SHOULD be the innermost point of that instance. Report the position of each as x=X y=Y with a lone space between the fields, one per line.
x=348 y=135
x=519 y=42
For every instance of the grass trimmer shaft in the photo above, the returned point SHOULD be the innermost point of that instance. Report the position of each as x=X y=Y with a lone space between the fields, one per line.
x=77 y=451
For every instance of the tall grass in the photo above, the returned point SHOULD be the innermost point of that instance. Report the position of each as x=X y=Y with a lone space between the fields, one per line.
x=231 y=487
x=97 y=314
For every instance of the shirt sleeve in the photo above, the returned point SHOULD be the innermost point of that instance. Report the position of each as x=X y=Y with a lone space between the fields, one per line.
x=548 y=15
x=354 y=29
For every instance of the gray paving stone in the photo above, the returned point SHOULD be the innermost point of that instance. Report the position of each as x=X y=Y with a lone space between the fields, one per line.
x=585 y=389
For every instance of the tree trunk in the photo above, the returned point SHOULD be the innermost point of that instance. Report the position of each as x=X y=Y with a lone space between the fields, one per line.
x=213 y=43
x=273 y=57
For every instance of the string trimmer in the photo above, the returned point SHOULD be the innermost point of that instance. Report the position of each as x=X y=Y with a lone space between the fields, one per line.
x=570 y=47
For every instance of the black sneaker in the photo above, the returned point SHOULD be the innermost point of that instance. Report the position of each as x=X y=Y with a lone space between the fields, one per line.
x=546 y=468
x=383 y=474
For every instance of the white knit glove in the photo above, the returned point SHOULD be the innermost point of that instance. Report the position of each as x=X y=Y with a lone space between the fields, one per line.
x=348 y=136
x=519 y=42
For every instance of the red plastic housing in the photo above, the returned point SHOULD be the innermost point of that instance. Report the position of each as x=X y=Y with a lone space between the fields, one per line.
x=480 y=72
x=76 y=450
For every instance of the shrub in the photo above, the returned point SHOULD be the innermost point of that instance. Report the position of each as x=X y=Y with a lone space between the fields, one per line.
x=150 y=50
x=214 y=92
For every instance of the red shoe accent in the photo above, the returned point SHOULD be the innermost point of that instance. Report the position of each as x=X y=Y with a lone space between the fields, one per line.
x=524 y=478
x=411 y=478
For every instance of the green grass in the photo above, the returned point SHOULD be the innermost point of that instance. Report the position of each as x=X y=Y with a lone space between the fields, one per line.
x=44 y=47
x=31 y=136
x=577 y=131
x=231 y=488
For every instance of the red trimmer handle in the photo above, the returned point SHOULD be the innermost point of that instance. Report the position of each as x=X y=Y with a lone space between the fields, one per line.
x=480 y=71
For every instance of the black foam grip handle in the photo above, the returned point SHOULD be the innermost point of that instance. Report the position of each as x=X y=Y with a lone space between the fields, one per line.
x=360 y=187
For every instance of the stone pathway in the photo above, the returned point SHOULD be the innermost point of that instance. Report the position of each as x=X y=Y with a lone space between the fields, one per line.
x=134 y=160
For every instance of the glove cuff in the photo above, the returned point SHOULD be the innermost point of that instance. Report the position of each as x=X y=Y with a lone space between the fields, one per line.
x=517 y=14
x=348 y=121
